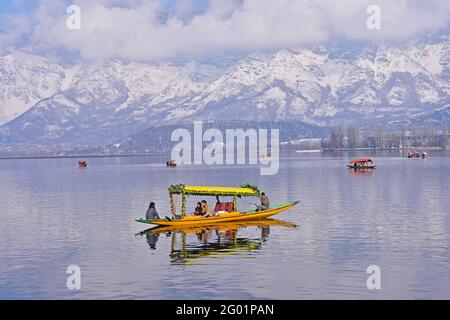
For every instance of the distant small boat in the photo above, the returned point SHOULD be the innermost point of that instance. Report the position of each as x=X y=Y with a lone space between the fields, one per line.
x=361 y=163
x=414 y=154
x=424 y=155
x=82 y=163
x=171 y=164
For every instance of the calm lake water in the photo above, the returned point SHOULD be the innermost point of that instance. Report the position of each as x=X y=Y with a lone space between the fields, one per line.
x=53 y=215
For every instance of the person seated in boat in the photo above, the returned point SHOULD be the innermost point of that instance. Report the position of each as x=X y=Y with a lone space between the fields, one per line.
x=151 y=212
x=264 y=202
x=207 y=212
x=198 y=211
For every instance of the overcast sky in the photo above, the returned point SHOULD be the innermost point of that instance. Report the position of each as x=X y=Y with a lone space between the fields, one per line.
x=167 y=29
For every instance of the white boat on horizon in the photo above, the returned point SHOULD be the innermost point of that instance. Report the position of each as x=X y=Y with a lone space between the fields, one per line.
x=308 y=151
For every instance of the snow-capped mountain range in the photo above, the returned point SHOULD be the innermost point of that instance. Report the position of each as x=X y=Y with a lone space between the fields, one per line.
x=46 y=102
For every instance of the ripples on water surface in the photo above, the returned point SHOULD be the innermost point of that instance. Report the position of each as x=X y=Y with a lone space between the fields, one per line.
x=53 y=215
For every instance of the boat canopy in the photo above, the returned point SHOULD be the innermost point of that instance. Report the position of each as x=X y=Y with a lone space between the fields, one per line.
x=361 y=160
x=245 y=190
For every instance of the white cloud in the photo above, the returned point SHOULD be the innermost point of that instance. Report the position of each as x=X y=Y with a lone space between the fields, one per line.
x=139 y=31
x=21 y=26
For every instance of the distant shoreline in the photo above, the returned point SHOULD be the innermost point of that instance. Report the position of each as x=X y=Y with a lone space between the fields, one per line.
x=90 y=156
x=384 y=149
x=81 y=156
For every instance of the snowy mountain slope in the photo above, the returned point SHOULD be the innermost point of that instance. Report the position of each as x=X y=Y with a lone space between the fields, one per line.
x=108 y=101
x=24 y=81
x=97 y=103
x=311 y=87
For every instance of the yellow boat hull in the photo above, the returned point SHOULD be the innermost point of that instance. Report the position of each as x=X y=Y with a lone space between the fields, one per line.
x=224 y=226
x=221 y=217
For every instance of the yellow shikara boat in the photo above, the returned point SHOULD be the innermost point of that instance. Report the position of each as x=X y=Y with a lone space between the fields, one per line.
x=221 y=216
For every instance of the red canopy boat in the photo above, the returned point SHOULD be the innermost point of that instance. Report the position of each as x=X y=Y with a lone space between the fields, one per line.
x=171 y=164
x=82 y=163
x=361 y=163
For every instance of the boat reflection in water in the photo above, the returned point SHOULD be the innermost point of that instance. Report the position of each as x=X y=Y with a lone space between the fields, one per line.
x=361 y=172
x=189 y=244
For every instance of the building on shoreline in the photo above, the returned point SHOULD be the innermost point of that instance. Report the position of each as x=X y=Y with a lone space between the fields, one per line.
x=376 y=137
